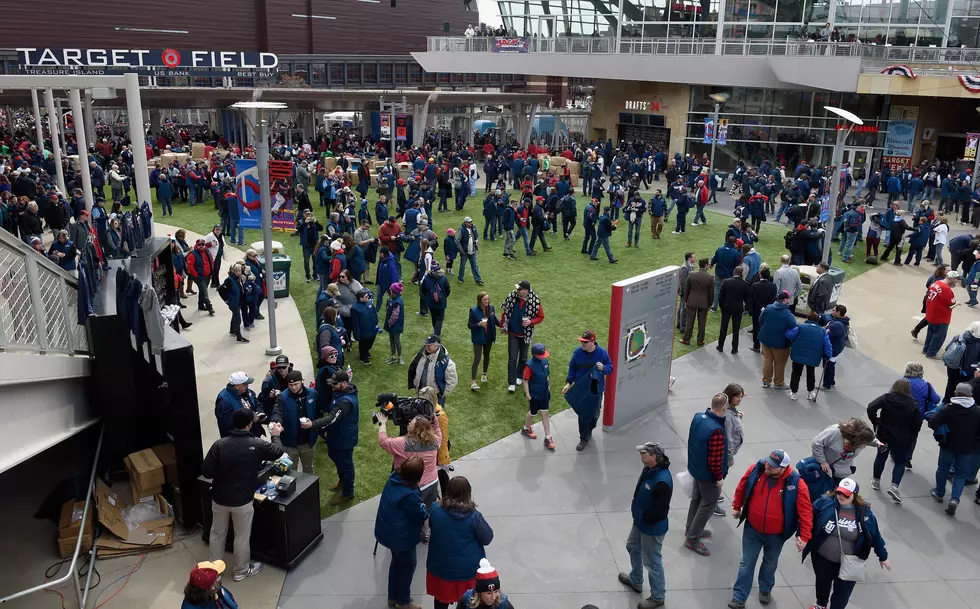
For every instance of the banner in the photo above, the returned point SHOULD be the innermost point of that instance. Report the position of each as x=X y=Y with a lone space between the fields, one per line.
x=641 y=341
x=151 y=62
x=722 y=131
x=709 y=129
x=385 y=125
x=970 y=152
x=401 y=128
x=510 y=44
x=900 y=140
x=249 y=197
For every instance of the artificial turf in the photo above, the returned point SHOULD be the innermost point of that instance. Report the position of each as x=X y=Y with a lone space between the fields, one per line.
x=575 y=294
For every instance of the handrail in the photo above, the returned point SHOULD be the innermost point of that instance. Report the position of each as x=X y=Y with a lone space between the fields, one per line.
x=38 y=303
x=72 y=573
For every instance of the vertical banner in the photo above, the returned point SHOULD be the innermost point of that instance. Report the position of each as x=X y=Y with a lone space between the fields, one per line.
x=283 y=215
x=970 y=152
x=900 y=139
x=722 y=131
x=401 y=128
x=641 y=345
x=247 y=189
x=385 y=124
x=709 y=129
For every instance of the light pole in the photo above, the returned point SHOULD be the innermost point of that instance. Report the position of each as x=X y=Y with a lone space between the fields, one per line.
x=838 y=160
x=260 y=127
x=719 y=99
x=976 y=165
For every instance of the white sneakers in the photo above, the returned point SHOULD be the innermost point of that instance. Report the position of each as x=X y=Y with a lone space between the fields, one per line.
x=474 y=386
x=792 y=395
x=253 y=569
x=511 y=388
x=812 y=396
x=520 y=382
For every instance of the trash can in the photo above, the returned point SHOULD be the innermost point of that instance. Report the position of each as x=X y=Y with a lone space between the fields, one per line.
x=723 y=175
x=281 y=264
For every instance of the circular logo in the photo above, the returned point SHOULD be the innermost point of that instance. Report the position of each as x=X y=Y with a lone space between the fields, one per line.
x=171 y=58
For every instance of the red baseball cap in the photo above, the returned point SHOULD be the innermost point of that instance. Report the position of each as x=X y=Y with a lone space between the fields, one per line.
x=587 y=336
x=203 y=578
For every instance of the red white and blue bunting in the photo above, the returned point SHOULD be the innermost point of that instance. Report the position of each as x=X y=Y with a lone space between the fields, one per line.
x=901 y=70
x=970 y=83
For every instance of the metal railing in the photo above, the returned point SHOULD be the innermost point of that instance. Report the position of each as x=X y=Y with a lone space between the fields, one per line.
x=38 y=303
x=705 y=46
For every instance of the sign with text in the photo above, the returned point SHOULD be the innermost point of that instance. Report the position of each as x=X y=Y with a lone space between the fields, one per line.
x=970 y=151
x=509 y=44
x=652 y=105
x=283 y=214
x=900 y=140
x=722 y=131
x=154 y=62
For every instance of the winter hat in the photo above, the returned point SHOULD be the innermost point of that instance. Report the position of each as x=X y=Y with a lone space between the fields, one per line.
x=435 y=266
x=327 y=351
x=336 y=246
x=450 y=232
x=487 y=579
x=397 y=287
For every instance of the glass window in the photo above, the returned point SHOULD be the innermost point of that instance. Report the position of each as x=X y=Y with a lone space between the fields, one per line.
x=336 y=74
x=385 y=74
x=849 y=11
x=964 y=32
x=302 y=70
x=966 y=8
x=285 y=67
x=319 y=75
x=401 y=74
x=414 y=73
x=353 y=73
x=370 y=71
x=929 y=36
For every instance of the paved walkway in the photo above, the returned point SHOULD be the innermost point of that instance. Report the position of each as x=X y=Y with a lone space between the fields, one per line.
x=560 y=520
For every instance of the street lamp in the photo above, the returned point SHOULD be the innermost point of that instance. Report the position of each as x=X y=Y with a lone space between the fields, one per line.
x=836 y=172
x=260 y=127
x=719 y=99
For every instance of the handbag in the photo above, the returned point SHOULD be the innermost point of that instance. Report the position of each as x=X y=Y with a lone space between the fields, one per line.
x=852 y=568
x=953 y=355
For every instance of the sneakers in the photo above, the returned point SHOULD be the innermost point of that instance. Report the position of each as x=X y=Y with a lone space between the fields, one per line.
x=520 y=382
x=581 y=445
x=697 y=547
x=765 y=597
x=875 y=484
x=792 y=395
x=391 y=360
x=780 y=387
x=253 y=569
x=812 y=396
x=694 y=223
x=673 y=232
x=474 y=386
x=937 y=497
x=527 y=432
x=705 y=534
x=719 y=511
x=649 y=603
x=511 y=388
x=817 y=607
x=624 y=579
x=894 y=494
x=549 y=443
x=766 y=384
x=401 y=362
x=736 y=605
x=483 y=379
x=908 y=464
x=951 y=508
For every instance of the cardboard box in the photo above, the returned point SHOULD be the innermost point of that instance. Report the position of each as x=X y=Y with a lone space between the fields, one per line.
x=149 y=535
x=330 y=163
x=198 y=150
x=574 y=168
x=352 y=176
x=145 y=469
x=168 y=457
x=557 y=161
x=66 y=546
x=70 y=522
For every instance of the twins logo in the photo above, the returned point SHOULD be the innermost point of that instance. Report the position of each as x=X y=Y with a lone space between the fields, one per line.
x=247 y=189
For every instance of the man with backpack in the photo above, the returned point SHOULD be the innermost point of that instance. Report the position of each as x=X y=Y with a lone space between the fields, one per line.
x=774 y=503
x=852 y=228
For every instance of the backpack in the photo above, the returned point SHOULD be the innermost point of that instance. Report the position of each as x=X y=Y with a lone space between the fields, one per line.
x=788 y=239
x=224 y=289
x=953 y=355
x=853 y=220
x=436 y=290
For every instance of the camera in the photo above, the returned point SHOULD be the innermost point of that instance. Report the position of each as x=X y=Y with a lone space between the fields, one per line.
x=401 y=410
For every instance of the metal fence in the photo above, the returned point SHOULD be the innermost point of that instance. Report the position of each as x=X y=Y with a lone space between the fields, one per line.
x=38 y=303
x=708 y=46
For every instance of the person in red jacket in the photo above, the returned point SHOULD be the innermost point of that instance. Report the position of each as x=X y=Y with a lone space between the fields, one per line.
x=199 y=265
x=940 y=301
x=776 y=503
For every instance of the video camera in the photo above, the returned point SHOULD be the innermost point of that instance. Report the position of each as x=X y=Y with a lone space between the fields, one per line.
x=401 y=410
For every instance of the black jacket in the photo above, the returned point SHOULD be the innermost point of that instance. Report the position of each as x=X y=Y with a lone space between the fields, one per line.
x=896 y=418
x=734 y=295
x=233 y=462
x=762 y=293
x=964 y=424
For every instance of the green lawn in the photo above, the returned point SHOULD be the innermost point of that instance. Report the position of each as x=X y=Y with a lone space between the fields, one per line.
x=575 y=294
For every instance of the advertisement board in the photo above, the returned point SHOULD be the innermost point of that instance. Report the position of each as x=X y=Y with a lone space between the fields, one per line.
x=641 y=342
x=970 y=151
x=900 y=139
x=283 y=215
x=722 y=131
x=249 y=199
x=152 y=62
x=709 y=129
x=509 y=44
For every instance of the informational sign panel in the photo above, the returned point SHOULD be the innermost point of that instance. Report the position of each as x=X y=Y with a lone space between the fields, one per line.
x=249 y=199
x=151 y=62
x=283 y=214
x=970 y=151
x=401 y=128
x=509 y=44
x=900 y=140
x=641 y=345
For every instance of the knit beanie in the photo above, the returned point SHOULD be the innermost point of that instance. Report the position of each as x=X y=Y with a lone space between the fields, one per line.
x=487 y=579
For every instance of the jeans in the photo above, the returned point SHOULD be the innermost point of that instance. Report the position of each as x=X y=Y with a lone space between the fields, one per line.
x=847 y=245
x=509 y=241
x=307 y=257
x=670 y=207
x=193 y=196
x=754 y=542
x=718 y=280
x=939 y=254
x=203 y=302
x=489 y=226
x=167 y=207
x=961 y=464
x=343 y=460
x=860 y=185
x=633 y=226
x=935 y=338
x=241 y=519
x=681 y=223
x=703 y=503
x=463 y=257
x=522 y=233
x=589 y=241
x=647 y=551
x=826 y=572
x=699 y=213
x=516 y=358
x=782 y=210
x=917 y=253
x=899 y=454
x=586 y=424
x=234 y=228
x=604 y=241
x=400 y=574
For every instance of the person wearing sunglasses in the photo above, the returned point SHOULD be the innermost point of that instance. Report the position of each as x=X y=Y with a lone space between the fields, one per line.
x=845 y=531
x=274 y=383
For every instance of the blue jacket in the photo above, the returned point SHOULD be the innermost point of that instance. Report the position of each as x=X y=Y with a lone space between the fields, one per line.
x=583 y=361
x=387 y=273
x=775 y=321
x=478 y=334
x=342 y=435
x=725 y=260
x=837 y=332
x=657 y=206
x=894 y=186
x=809 y=344
x=817 y=481
x=398 y=525
x=310 y=410
x=393 y=324
x=754 y=262
x=456 y=545
x=355 y=261
x=916 y=185
x=509 y=218
x=920 y=238
x=450 y=248
x=321 y=260
x=465 y=601
x=825 y=524
x=227 y=403
x=538 y=385
x=651 y=499
x=925 y=396
x=435 y=287
x=702 y=426
x=851 y=221
x=364 y=320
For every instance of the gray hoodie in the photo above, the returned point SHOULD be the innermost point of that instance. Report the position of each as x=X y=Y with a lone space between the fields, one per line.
x=733 y=429
x=828 y=447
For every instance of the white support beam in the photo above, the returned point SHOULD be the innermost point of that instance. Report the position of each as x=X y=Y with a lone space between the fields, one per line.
x=83 y=169
x=54 y=126
x=37 y=122
x=137 y=136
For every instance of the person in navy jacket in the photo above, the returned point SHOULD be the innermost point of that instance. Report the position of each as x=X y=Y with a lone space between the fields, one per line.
x=724 y=262
x=483 y=324
x=235 y=396
x=837 y=327
x=809 y=345
x=707 y=463
x=398 y=527
x=651 y=503
x=459 y=534
x=235 y=298
x=843 y=523
x=298 y=411
x=586 y=357
x=364 y=325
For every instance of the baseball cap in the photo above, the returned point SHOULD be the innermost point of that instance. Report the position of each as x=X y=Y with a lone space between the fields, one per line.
x=217 y=565
x=467 y=219
x=783 y=295
x=651 y=448
x=953 y=275
x=203 y=578
x=339 y=376
x=587 y=336
x=523 y=285
x=848 y=487
x=433 y=339
x=538 y=350
x=240 y=378
x=294 y=376
x=282 y=361
x=778 y=458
